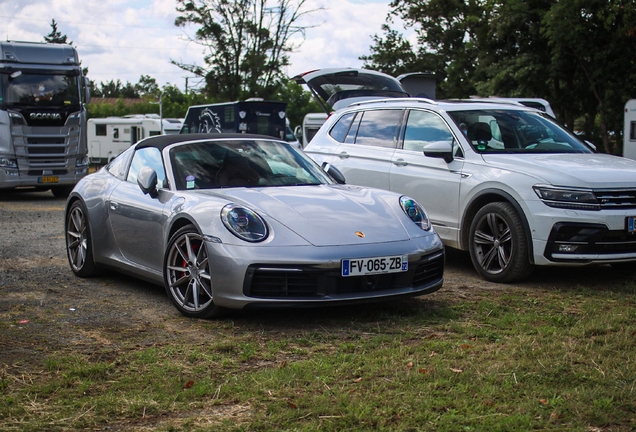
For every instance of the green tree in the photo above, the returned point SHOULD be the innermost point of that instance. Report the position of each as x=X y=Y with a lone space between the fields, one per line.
x=56 y=36
x=247 y=44
x=577 y=54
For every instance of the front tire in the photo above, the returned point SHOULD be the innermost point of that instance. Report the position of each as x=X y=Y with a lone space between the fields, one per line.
x=187 y=276
x=498 y=244
x=79 y=244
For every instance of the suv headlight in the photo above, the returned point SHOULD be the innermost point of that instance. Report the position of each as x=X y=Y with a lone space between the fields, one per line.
x=415 y=212
x=565 y=198
x=244 y=223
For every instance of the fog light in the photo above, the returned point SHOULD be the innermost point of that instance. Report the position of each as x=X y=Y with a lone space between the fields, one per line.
x=567 y=248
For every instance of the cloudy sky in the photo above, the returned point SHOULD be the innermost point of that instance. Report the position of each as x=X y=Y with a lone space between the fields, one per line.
x=124 y=39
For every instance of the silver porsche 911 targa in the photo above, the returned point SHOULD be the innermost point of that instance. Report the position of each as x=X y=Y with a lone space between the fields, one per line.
x=236 y=221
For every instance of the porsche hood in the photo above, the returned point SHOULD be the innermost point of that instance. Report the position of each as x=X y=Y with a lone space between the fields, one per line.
x=328 y=215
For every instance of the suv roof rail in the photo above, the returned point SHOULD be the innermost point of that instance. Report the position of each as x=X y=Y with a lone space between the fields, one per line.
x=387 y=100
x=486 y=100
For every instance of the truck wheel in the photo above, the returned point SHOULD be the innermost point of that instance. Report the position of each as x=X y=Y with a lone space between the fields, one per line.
x=498 y=244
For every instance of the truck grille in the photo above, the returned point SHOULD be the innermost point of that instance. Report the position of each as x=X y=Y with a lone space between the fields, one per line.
x=32 y=150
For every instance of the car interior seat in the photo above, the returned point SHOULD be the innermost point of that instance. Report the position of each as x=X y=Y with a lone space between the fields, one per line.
x=479 y=132
x=236 y=171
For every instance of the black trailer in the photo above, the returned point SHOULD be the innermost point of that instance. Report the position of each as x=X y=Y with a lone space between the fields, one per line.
x=248 y=116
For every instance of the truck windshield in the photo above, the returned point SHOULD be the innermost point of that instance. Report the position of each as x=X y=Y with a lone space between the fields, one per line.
x=39 y=90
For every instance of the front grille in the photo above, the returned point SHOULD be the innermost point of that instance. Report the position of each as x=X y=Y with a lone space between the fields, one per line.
x=588 y=239
x=53 y=172
x=32 y=150
x=307 y=282
x=616 y=199
x=46 y=140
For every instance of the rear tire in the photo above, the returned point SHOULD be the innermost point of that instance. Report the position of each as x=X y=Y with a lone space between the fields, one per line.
x=498 y=244
x=79 y=244
x=186 y=274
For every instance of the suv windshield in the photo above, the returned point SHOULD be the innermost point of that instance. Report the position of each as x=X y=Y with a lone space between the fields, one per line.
x=39 y=90
x=513 y=131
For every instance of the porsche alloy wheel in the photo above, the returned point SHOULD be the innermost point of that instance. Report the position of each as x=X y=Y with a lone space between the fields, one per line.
x=78 y=242
x=498 y=245
x=187 y=276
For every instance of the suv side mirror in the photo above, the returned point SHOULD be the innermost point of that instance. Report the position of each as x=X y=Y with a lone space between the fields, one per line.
x=439 y=149
x=333 y=172
x=147 y=181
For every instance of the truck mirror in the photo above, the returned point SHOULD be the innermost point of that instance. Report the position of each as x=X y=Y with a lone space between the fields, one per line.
x=87 y=90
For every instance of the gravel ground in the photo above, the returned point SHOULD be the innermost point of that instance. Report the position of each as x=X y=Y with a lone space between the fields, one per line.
x=44 y=307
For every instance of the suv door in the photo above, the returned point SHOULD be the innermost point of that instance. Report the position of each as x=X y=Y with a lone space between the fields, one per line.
x=432 y=181
x=367 y=143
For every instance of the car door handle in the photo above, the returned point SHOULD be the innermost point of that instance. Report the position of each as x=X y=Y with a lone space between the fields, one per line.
x=400 y=162
x=343 y=155
x=114 y=206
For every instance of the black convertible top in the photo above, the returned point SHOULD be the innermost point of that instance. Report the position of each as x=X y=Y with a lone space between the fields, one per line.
x=162 y=141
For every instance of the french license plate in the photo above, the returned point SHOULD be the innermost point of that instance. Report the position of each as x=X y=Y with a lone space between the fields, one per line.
x=631 y=224
x=377 y=265
x=48 y=179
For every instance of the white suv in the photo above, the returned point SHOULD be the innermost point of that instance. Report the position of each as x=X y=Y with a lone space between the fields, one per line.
x=502 y=180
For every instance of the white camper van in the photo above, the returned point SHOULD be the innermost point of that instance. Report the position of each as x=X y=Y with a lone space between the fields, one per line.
x=107 y=137
x=311 y=124
x=629 y=131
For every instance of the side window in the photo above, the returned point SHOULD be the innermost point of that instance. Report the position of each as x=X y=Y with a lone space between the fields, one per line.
x=100 y=129
x=423 y=128
x=378 y=128
x=151 y=157
x=118 y=166
x=340 y=129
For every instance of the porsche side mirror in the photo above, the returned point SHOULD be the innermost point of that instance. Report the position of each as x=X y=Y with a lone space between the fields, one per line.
x=147 y=181
x=333 y=172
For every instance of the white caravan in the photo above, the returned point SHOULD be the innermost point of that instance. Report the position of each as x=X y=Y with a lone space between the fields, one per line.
x=311 y=124
x=629 y=131
x=107 y=137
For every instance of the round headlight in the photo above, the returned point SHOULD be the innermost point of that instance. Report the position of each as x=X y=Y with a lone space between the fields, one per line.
x=415 y=212
x=244 y=223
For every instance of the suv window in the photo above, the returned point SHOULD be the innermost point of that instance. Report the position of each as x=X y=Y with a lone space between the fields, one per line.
x=378 y=128
x=423 y=128
x=340 y=129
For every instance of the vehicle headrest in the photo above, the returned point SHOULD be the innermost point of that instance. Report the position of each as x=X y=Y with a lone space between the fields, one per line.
x=479 y=131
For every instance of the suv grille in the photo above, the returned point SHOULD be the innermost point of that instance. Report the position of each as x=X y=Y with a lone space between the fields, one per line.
x=616 y=199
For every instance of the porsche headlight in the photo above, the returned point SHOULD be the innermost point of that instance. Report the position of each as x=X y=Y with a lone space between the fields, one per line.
x=565 y=198
x=415 y=212
x=244 y=223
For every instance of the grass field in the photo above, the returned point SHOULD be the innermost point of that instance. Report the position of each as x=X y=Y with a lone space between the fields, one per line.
x=496 y=360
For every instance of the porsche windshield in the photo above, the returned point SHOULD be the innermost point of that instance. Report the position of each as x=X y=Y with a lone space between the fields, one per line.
x=241 y=163
x=40 y=90
x=515 y=131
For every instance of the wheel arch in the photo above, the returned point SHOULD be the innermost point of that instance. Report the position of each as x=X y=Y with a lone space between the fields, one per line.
x=178 y=223
x=488 y=196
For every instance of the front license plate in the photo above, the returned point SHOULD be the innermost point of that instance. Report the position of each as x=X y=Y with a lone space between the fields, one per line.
x=377 y=265
x=631 y=222
x=48 y=179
